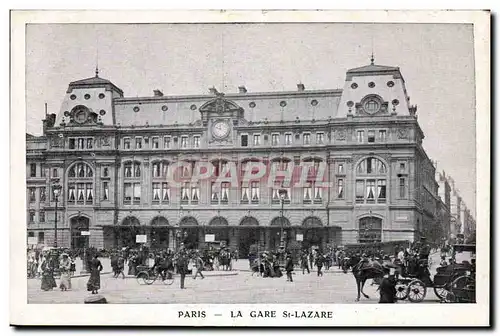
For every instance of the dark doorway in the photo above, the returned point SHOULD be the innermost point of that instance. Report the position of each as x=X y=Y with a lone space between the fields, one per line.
x=79 y=224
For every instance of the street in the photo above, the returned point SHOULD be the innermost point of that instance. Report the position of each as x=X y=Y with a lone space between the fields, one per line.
x=239 y=288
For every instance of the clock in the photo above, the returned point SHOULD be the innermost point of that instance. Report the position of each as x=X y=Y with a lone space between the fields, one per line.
x=220 y=129
x=80 y=115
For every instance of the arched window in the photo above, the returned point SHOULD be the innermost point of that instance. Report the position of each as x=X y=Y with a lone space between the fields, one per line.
x=160 y=187
x=132 y=186
x=80 y=184
x=371 y=181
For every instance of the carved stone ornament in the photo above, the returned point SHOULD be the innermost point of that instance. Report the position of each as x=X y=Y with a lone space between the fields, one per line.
x=105 y=141
x=341 y=134
x=402 y=133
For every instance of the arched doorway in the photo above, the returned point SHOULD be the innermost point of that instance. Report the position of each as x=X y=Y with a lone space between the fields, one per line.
x=275 y=232
x=189 y=233
x=79 y=224
x=127 y=231
x=159 y=232
x=219 y=227
x=370 y=230
x=313 y=233
x=249 y=236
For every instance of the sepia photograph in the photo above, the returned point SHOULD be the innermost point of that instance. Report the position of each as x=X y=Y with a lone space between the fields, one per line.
x=279 y=169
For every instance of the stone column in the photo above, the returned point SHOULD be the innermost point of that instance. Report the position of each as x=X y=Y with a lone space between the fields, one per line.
x=171 y=239
x=261 y=238
x=267 y=245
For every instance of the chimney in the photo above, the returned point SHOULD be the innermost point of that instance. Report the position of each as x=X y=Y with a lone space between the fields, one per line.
x=213 y=90
x=242 y=89
x=158 y=93
x=301 y=87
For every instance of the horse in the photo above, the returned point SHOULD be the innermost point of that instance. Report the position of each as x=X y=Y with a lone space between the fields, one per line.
x=257 y=267
x=349 y=262
x=363 y=271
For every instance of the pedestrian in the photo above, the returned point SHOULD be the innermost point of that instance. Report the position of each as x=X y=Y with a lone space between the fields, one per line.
x=387 y=287
x=304 y=263
x=72 y=268
x=114 y=264
x=94 y=283
x=48 y=281
x=121 y=266
x=289 y=268
x=65 y=268
x=198 y=262
x=182 y=266
x=319 y=263
x=311 y=259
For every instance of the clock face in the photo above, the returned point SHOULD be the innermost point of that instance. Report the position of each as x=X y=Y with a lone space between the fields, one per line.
x=220 y=129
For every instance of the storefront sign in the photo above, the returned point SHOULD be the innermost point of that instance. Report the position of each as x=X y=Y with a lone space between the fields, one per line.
x=209 y=238
x=85 y=233
x=299 y=237
x=32 y=240
x=141 y=238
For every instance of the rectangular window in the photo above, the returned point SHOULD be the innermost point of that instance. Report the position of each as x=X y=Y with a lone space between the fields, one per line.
x=320 y=138
x=89 y=193
x=156 y=192
x=105 y=191
x=340 y=188
x=371 y=136
x=54 y=172
x=381 y=191
x=275 y=139
x=361 y=136
x=165 y=192
x=42 y=194
x=185 y=195
x=127 y=193
x=215 y=193
x=402 y=167
x=155 y=143
x=307 y=138
x=31 y=216
x=81 y=143
x=71 y=193
x=71 y=143
x=224 y=193
x=167 y=142
x=128 y=169
x=126 y=143
x=156 y=169
x=184 y=142
x=288 y=139
x=31 y=193
x=42 y=170
x=341 y=168
x=360 y=191
x=370 y=191
x=80 y=192
x=32 y=169
x=382 y=135
x=318 y=194
x=256 y=139
x=276 y=197
x=138 y=143
x=196 y=141
x=41 y=237
x=402 y=188
x=195 y=193
x=255 y=192
x=105 y=172
x=41 y=216
x=245 y=197
x=137 y=193
x=307 y=195
x=244 y=140
x=90 y=143
x=369 y=166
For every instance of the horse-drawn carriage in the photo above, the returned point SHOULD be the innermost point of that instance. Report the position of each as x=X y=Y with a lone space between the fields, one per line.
x=217 y=256
x=451 y=283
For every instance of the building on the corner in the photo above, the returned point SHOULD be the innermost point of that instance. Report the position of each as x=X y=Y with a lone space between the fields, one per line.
x=444 y=207
x=111 y=155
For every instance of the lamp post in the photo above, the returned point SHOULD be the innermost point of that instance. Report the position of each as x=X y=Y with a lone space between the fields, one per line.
x=181 y=237
x=282 y=193
x=56 y=188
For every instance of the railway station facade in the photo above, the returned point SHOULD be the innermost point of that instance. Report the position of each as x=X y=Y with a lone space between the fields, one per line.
x=320 y=167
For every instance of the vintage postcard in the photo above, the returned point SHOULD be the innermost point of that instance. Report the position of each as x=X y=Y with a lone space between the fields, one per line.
x=250 y=168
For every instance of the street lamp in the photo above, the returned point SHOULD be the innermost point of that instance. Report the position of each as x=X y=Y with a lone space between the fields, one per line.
x=56 y=188
x=181 y=237
x=282 y=193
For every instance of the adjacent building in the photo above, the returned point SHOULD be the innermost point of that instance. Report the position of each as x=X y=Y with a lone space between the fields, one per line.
x=315 y=167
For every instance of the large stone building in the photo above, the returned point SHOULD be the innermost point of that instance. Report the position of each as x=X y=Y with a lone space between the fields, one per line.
x=358 y=149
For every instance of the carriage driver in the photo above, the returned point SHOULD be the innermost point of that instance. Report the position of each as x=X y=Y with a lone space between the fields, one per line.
x=424 y=250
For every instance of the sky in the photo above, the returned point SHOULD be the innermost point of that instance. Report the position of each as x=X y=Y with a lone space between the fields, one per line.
x=436 y=61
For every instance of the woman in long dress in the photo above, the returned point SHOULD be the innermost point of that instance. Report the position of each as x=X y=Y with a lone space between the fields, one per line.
x=65 y=268
x=94 y=283
x=48 y=281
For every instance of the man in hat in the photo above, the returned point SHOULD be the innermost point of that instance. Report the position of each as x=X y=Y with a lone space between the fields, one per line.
x=319 y=262
x=182 y=265
x=387 y=287
x=65 y=268
x=424 y=249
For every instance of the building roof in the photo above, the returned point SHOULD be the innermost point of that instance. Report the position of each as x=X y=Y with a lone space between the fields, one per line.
x=373 y=68
x=93 y=82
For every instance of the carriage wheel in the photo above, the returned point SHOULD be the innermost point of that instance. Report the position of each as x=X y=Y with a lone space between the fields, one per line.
x=401 y=290
x=142 y=277
x=442 y=293
x=148 y=280
x=461 y=286
x=416 y=291
x=169 y=279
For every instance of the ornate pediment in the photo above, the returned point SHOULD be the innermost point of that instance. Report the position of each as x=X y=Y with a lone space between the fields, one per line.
x=220 y=107
x=81 y=116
